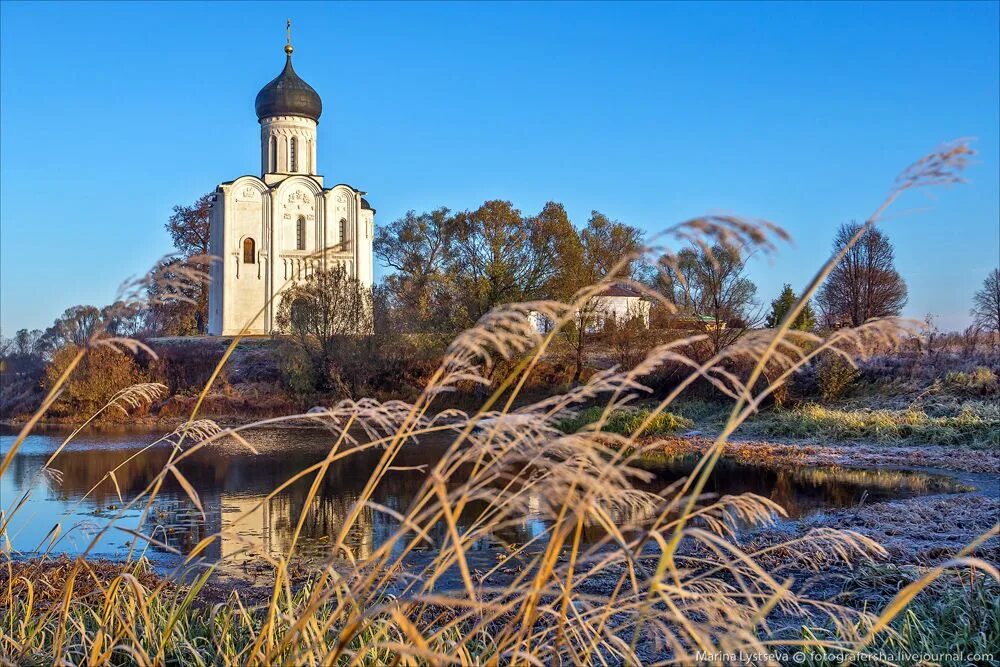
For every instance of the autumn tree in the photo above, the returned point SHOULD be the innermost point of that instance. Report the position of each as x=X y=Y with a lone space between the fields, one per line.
x=22 y=355
x=500 y=257
x=419 y=248
x=325 y=315
x=189 y=227
x=26 y=342
x=566 y=252
x=127 y=319
x=75 y=326
x=986 y=303
x=865 y=283
x=190 y=230
x=711 y=285
x=607 y=243
x=451 y=269
x=174 y=298
x=780 y=307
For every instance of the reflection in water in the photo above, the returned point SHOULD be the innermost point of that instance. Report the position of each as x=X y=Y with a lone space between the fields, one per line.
x=232 y=484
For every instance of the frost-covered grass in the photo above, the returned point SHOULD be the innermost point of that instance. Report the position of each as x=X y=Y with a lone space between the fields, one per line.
x=625 y=422
x=956 y=615
x=971 y=426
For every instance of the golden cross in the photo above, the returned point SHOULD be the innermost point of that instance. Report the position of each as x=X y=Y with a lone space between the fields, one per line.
x=288 y=29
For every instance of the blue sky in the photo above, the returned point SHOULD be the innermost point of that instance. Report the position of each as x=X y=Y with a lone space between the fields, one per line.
x=651 y=113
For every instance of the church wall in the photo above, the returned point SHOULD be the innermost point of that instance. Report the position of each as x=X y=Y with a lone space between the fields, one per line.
x=249 y=287
x=295 y=198
x=366 y=240
x=244 y=285
x=249 y=209
x=346 y=232
x=217 y=267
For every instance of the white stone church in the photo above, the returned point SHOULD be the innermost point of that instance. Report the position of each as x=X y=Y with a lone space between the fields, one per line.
x=277 y=228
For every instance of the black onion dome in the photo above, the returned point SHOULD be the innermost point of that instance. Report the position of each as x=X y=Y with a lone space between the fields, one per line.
x=288 y=95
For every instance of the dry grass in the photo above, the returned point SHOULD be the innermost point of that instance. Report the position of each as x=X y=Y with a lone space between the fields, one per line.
x=678 y=583
x=44 y=581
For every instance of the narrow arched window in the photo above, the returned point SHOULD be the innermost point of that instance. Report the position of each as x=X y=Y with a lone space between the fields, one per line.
x=272 y=155
x=342 y=232
x=293 y=154
x=249 y=251
x=300 y=233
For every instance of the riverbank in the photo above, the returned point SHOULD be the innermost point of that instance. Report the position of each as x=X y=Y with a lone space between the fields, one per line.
x=856 y=454
x=957 y=613
x=916 y=530
x=915 y=533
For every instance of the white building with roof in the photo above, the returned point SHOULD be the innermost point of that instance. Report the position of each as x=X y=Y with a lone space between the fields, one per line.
x=616 y=303
x=620 y=304
x=269 y=231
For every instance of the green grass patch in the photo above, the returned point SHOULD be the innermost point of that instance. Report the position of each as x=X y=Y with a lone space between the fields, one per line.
x=957 y=615
x=962 y=618
x=625 y=422
x=968 y=427
x=707 y=413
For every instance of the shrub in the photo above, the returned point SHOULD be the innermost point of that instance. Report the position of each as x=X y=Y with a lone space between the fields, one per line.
x=702 y=411
x=102 y=373
x=981 y=381
x=186 y=364
x=628 y=342
x=835 y=376
x=298 y=373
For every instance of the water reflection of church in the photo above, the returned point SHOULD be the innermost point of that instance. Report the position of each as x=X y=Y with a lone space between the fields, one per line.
x=249 y=525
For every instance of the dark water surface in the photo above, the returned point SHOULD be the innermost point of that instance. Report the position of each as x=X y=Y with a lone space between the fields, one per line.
x=231 y=481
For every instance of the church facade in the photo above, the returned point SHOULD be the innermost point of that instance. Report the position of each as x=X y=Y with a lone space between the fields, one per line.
x=269 y=231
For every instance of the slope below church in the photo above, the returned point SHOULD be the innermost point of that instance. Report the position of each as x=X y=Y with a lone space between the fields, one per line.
x=273 y=230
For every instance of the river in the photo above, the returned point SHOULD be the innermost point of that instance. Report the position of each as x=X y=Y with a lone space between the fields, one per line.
x=232 y=481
